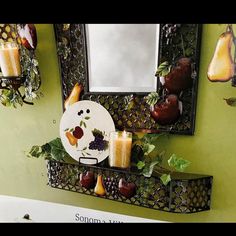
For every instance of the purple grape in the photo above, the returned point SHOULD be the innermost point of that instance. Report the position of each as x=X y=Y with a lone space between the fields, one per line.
x=98 y=143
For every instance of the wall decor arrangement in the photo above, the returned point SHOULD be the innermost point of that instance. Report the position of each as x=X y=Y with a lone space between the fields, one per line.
x=123 y=87
x=19 y=71
x=223 y=63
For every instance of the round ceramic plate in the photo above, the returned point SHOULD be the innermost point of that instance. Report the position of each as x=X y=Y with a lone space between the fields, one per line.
x=84 y=131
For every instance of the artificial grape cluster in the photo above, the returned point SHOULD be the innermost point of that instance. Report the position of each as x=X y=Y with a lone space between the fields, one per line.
x=98 y=143
x=111 y=185
x=170 y=31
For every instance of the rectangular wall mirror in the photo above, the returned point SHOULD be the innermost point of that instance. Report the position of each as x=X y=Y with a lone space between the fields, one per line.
x=122 y=57
x=116 y=65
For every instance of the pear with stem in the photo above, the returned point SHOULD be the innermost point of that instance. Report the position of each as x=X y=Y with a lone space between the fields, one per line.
x=222 y=68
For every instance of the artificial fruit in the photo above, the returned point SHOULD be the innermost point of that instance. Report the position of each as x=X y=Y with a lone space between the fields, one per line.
x=178 y=77
x=87 y=179
x=127 y=189
x=28 y=35
x=99 y=188
x=168 y=111
x=74 y=95
x=221 y=67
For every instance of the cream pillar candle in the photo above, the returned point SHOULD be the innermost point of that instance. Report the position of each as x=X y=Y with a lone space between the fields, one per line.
x=10 y=59
x=120 y=145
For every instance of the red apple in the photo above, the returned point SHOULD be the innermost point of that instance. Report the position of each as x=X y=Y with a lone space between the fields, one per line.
x=179 y=77
x=78 y=132
x=87 y=180
x=28 y=36
x=127 y=189
x=168 y=111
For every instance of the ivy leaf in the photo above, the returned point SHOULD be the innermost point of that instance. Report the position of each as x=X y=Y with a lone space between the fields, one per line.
x=35 y=62
x=46 y=148
x=148 y=148
x=140 y=165
x=152 y=138
x=87 y=118
x=10 y=98
x=163 y=69
x=152 y=98
x=231 y=101
x=178 y=164
x=148 y=169
x=36 y=151
x=57 y=150
x=165 y=179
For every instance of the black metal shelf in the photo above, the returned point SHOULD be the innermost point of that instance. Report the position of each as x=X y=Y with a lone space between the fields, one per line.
x=186 y=193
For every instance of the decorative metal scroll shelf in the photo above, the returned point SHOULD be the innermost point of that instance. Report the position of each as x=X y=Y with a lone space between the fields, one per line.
x=186 y=193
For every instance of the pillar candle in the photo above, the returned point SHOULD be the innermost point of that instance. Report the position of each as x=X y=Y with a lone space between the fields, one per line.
x=120 y=145
x=10 y=59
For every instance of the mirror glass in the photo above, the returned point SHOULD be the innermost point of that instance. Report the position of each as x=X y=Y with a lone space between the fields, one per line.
x=122 y=57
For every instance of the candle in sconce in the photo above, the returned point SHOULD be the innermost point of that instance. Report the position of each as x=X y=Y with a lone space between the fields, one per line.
x=120 y=145
x=10 y=59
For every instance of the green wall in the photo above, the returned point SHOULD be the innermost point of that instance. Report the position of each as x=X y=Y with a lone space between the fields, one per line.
x=211 y=150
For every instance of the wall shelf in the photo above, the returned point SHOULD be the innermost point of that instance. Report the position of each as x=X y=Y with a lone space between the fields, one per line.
x=186 y=193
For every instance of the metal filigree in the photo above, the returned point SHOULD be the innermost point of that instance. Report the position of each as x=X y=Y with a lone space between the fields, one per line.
x=30 y=79
x=73 y=62
x=187 y=193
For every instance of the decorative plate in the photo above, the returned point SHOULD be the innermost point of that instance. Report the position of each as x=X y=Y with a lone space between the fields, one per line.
x=84 y=131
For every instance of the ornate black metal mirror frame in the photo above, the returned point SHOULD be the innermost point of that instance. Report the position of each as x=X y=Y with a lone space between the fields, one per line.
x=186 y=193
x=130 y=111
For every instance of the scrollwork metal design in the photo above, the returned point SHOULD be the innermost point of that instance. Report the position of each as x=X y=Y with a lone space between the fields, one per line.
x=134 y=116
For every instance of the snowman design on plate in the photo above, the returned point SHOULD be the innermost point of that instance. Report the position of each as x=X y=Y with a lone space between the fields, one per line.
x=84 y=130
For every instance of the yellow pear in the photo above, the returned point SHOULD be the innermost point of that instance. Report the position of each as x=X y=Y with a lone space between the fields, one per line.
x=221 y=67
x=99 y=188
x=72 y=140
x=74 y=95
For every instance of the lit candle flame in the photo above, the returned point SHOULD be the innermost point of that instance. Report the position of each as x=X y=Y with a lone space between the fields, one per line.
x=124 y=133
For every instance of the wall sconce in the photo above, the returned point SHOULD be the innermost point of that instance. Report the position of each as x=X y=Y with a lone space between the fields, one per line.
x=19 y=77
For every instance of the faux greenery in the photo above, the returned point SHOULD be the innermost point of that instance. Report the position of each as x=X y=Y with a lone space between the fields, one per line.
x=30 y=71
x=163 y=69
x=147 y=159
x=152 y=98
x=10 y=97
x=145 y=156
x=51 y=150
